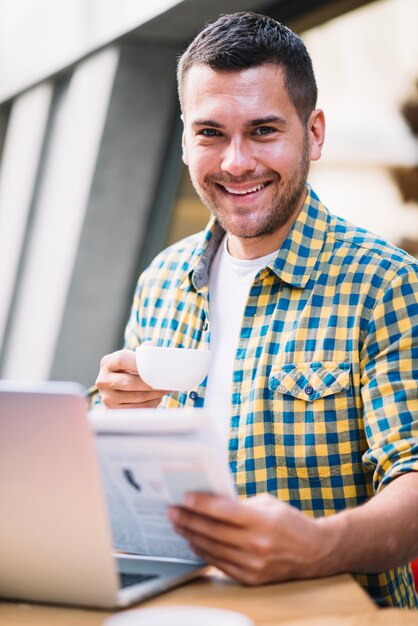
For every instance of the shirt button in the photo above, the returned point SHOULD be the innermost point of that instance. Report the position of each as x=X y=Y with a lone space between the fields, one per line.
x=309 y=390
x=192 y=395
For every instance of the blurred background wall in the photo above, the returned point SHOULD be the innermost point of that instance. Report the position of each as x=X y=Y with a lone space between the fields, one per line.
x=91 y=180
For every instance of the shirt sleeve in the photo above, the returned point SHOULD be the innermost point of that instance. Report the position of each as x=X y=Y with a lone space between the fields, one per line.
x=389 y=379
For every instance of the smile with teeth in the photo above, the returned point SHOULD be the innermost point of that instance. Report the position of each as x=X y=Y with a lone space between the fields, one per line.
x=243 y=192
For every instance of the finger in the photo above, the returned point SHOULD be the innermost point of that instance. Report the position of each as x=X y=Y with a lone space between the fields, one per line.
x=121 y=382
x=218 y=547
x=188 y=524
x=142 y=401
x=126 y=383
x=238 y=570
x=127 y=397
x=134 y=405
x=222 y=508
x=119 y=361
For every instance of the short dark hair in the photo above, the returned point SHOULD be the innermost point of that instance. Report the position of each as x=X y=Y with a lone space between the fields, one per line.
x=242 y=40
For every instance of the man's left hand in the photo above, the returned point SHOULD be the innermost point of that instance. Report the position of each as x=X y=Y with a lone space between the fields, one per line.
x=256 y=541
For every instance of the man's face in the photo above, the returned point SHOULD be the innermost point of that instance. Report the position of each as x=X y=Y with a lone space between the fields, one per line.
x=246 y=148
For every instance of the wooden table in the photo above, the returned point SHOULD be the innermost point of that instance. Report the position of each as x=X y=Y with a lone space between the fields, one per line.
x=270 y=605
x=336 y=601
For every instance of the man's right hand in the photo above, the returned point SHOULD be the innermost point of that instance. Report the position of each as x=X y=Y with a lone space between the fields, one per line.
x=120 y=385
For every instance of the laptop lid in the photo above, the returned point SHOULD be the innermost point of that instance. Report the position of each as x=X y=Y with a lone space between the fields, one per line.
x=55 y=541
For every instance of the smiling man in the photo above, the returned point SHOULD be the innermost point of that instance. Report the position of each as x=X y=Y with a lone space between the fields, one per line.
x=312 y=324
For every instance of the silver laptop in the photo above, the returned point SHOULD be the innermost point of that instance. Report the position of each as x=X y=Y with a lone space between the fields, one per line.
x=55 y=535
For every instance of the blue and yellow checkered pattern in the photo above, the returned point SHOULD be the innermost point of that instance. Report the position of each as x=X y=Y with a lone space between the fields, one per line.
x=324 y=406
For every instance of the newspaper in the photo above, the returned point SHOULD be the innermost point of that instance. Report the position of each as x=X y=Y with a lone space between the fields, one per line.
x=149 y=460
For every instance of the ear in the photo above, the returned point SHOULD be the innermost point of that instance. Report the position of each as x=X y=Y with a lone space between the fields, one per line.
x=316 y=133
x=183 y=145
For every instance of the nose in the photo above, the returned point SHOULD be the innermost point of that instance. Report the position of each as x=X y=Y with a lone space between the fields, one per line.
x=238 y=158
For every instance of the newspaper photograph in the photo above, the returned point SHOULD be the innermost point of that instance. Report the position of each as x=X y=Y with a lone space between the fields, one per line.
x=148 y=466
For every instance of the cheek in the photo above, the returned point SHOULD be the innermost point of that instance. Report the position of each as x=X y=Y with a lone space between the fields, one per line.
x=202 y=162
x=280 y=157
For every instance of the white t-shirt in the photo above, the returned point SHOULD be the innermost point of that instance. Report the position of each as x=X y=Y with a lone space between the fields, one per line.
x=230 y=280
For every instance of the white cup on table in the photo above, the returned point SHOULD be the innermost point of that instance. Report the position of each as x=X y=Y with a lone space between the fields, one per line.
x=179 y=616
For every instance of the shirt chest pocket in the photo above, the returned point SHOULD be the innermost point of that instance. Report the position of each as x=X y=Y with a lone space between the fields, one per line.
x=314 y=421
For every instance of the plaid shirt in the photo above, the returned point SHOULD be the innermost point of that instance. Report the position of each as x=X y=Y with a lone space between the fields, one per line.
x=324 y=406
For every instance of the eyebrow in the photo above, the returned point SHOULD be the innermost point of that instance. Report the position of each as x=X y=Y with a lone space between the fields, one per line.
x=210 y=123
x=260 y=121
x=267 y=120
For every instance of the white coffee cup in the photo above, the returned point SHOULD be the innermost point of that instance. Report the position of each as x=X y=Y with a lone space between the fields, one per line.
x=179 y=616
x=174 y=369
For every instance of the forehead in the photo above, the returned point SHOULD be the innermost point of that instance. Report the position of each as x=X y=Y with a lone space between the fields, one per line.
x=259 y=90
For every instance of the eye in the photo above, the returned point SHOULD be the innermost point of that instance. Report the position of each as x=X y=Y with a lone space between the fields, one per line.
x=209 y=132
x=264 y=130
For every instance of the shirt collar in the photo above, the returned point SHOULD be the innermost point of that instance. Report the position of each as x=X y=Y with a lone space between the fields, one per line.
x=208 y=243
x=299 y=252
x=294 y=261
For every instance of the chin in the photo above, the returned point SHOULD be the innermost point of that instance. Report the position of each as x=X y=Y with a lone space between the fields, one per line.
x=240 y=226
x=242 y=231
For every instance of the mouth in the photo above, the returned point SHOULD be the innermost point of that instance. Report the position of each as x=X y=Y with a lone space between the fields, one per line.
x=241 y=191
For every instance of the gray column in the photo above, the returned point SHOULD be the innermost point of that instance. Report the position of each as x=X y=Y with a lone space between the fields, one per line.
x=126 y=180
